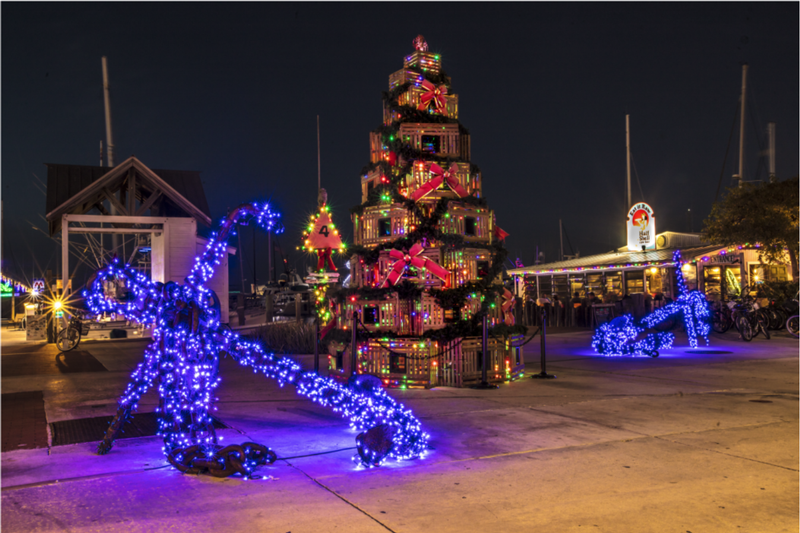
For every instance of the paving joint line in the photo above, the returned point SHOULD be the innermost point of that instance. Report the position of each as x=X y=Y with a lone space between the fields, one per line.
x=638 y=437
x=727 y=454
x=348 y=502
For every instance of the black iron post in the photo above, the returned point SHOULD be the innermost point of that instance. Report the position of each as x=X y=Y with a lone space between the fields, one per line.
x=316 y=345
x=484 y=384
x=353 y=346
x=543 y=374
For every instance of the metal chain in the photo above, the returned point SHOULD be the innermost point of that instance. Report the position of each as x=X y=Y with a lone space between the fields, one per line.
x=221 y=462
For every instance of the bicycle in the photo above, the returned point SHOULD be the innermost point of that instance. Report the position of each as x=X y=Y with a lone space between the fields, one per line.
x=70 y=337
x=748 y=318
x=793 y=324
x=721 y=318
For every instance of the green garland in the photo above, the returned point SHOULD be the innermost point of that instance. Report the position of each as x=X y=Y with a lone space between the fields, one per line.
x=428 y=227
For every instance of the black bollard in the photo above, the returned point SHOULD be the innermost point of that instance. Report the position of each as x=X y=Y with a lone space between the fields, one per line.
x=354 y=347
x=543 y=374
x=316 y=345
x=484 y=384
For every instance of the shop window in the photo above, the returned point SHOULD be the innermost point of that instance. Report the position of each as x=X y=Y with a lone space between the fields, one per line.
x=545 y=286
x=613 y=285
x=531 y=292
x=634 y=282
x=667 y=283
x=760 y=273
x=561 y=288
x=431 y=144
x=384 y=227
x=689 y=276
x=370 y=315
x=469 y=226
x=576 y=284
x=712 y=282
x=483 y=269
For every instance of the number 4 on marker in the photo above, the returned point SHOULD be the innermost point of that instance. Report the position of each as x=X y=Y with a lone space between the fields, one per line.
x=323 y=230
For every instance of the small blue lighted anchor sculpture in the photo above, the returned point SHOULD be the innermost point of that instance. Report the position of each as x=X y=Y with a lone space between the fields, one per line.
x=183 y=362
x=623 y=336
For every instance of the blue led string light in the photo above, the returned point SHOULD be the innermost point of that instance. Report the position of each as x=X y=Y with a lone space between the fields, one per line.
x=183 y=362
x=619 y=336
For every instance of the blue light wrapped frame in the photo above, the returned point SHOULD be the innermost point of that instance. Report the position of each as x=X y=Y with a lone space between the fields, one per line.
x=623 y=336
x=183 y=362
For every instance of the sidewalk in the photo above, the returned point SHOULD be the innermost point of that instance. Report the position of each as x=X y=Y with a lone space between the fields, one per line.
x=700 y=442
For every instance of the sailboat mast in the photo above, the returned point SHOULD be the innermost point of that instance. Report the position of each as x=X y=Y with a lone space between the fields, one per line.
x=628 y=145
x=741 y=126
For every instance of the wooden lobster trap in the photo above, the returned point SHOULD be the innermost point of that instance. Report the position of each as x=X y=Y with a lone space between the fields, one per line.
x=467 y=264
x=405 y=75
x=393 y=314
x=377 y=273
x=412 y=98
x=444 y=140
x=418 y=363
x=476 y=224
x=421 y=174
x=460 y=364
x=426 y=61
x=382 y=224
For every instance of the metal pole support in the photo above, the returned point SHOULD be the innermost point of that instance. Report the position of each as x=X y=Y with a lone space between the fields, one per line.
x=543 y=374
x=353 y=346
x=484 y=384
x=316 y=345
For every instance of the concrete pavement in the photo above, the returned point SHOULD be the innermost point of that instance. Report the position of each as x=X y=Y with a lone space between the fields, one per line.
x=686 y=442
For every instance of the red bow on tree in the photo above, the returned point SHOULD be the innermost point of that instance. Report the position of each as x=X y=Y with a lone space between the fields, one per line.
x=403 y=260
x=508 y=304
x=439 y=176
x=432 y=94
x=324 y=255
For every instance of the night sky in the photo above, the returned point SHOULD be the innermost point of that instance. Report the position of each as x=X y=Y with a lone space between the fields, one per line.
x=233 y=91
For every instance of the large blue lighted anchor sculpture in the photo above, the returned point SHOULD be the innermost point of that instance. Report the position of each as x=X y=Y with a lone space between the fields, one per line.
x=183 y=362
x=623 y=336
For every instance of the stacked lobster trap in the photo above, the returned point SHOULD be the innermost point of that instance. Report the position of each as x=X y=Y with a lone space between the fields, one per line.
x=426 y=263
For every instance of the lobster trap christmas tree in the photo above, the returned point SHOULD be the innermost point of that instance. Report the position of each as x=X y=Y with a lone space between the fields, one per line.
x=427 y=259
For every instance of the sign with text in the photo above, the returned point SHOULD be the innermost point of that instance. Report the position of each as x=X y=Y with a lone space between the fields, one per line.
x=641 y=228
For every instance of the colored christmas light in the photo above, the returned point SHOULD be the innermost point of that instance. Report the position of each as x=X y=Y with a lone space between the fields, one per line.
x=183 y=363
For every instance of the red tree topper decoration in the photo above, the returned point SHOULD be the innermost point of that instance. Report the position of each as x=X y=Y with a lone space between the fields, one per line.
x=439 y=176
x=403 y=260
x=432 y=94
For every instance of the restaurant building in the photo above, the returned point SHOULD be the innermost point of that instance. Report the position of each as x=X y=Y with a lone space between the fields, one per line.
x=715 y=270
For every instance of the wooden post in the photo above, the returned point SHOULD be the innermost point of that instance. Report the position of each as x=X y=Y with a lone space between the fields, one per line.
x=354 y=346
x=269 y=301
